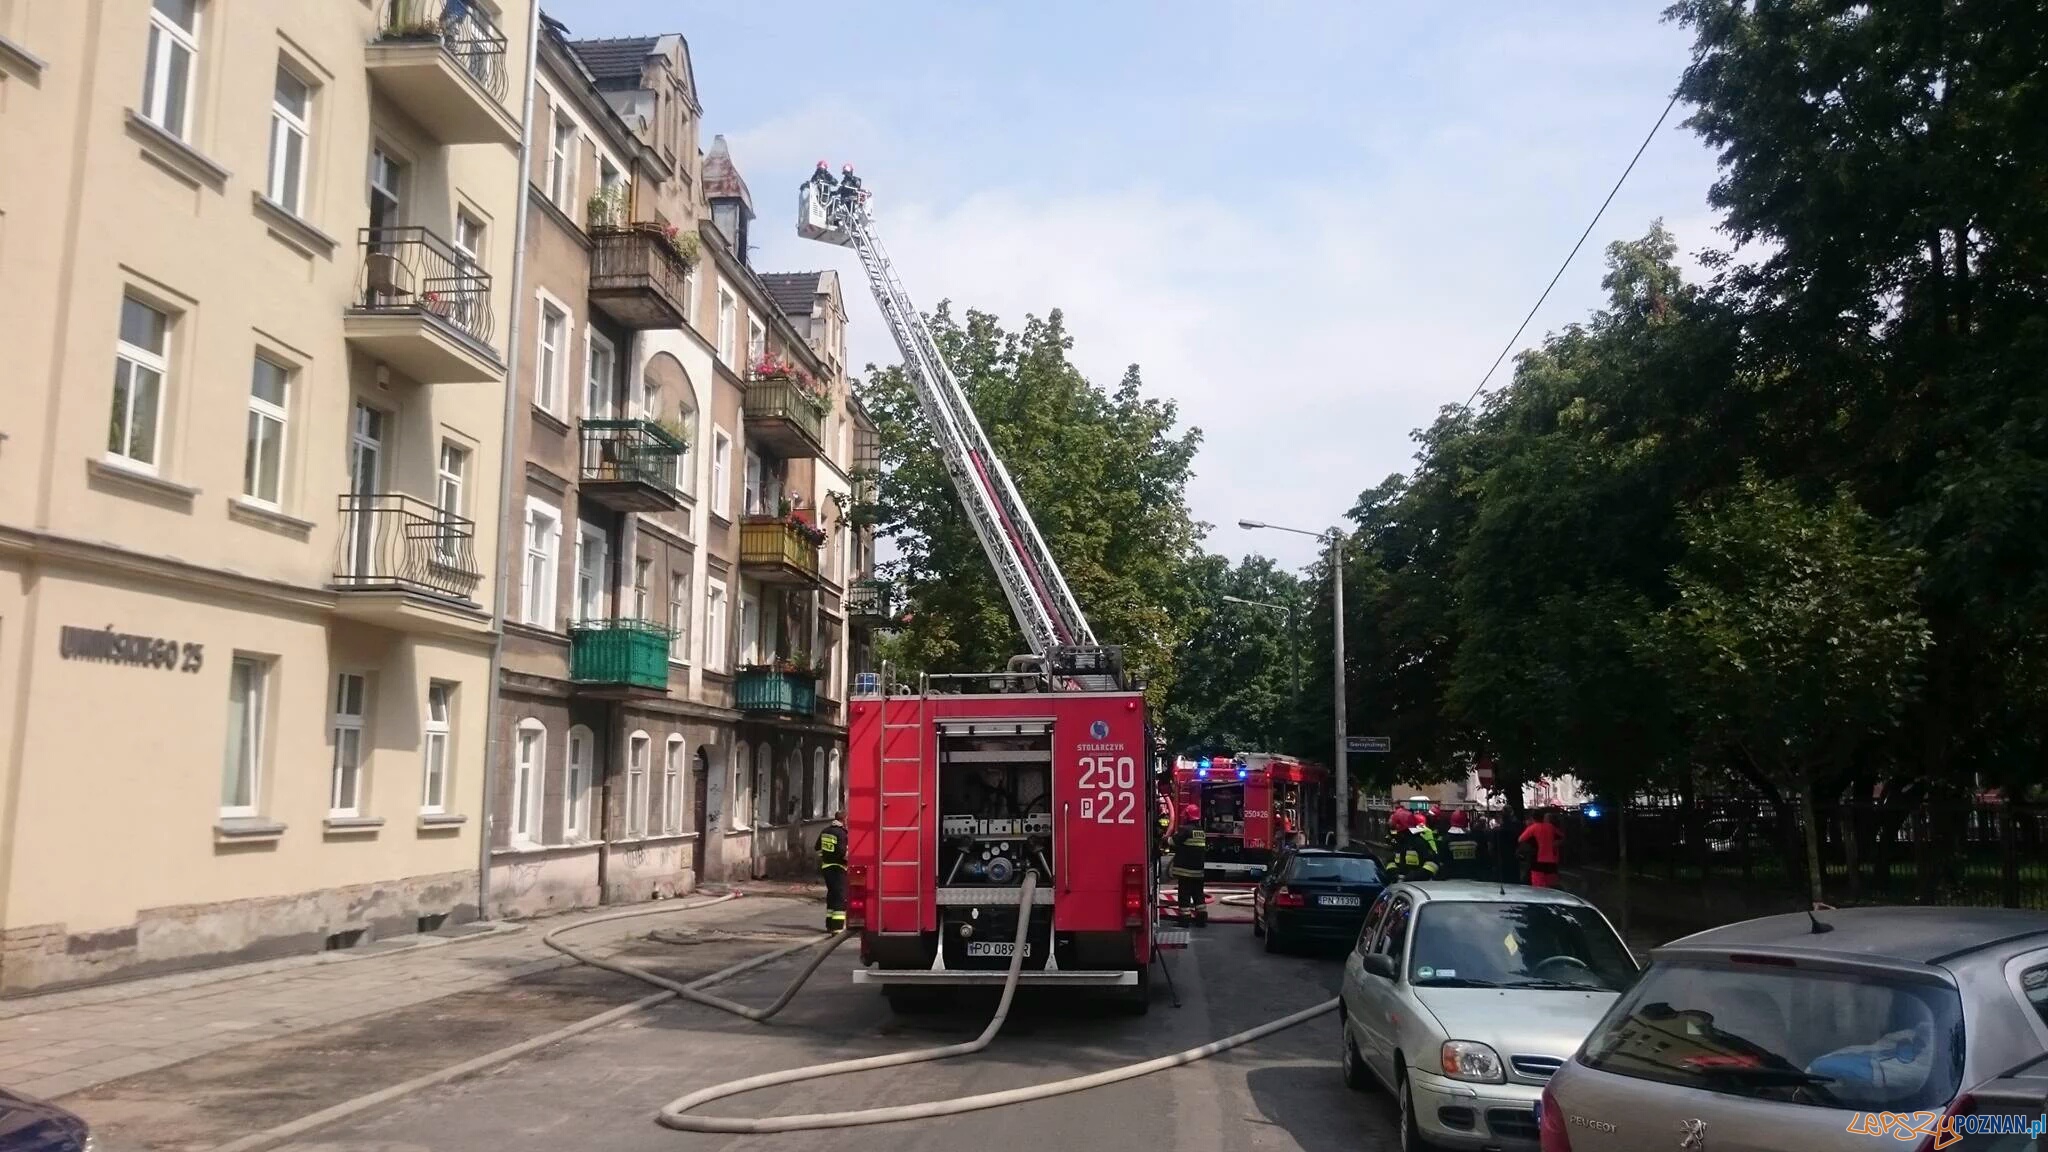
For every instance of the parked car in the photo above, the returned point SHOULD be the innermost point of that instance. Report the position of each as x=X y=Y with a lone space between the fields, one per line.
x=1461 y=998
x=1314 y=894
x=1801 y=1031
x=1999 y=1116
x=31 y=1125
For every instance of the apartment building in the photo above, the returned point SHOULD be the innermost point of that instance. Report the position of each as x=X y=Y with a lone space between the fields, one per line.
x=255 y=297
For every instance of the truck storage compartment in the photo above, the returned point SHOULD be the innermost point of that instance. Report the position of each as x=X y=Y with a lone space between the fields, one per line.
x=995 y=809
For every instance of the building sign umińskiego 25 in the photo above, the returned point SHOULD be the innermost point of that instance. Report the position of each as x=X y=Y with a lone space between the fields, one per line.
x=110 y=647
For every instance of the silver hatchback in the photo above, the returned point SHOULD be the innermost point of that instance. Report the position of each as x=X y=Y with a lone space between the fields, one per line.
x=1846 y=1030
x=1461 y=998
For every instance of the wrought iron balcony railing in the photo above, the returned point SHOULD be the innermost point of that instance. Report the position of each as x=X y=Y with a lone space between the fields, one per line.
x=464 y=30
x=631 y=465
x=412 y=271
x=871 y=600
x=392 y=542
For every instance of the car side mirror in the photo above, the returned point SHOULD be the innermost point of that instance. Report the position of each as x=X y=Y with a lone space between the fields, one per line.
x=1377 y=964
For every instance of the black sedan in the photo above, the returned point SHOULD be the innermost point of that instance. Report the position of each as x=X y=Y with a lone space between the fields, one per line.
x=1316 y=894
x=30 y=1125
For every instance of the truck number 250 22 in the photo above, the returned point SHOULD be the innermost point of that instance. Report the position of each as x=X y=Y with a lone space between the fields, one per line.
x=1114 y=780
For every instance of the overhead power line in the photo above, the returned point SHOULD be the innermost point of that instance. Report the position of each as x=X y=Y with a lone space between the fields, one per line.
x=1590 y=225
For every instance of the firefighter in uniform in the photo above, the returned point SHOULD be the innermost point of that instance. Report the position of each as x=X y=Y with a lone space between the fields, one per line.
x=832 y=866
x=1461 y=850
x=1190 y=856
x=1415 y=852
x=1162 y=836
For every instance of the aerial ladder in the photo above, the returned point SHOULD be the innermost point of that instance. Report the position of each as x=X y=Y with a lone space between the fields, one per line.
x=1061 y=642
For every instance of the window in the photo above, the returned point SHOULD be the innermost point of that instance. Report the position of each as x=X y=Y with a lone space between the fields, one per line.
x=638 y=748
x=529 y=773
x=686 y=463
x=140 y=365
x=448 y=484
x=762 y=788
x=753 y=645
x=757 y=341
x=562 y=163
x=643 y=571
x=714 y=626
x=345 y=788
x=597 y=379
x=439 y=732
x=469 y=238
x=263 y=455
x=751 y=485
x=672 y=787
x=593 y=564
x=728 y=326
x=721 y=470
x=290 y=113
x=173 y=58
x=241 y=767
x=832 y=804
x=386 y=179
x=553 y=363
x=576 y=794
x=543 y=554
x=816 y=807
x=690 y=296
x=742 y=805
x=679 y=616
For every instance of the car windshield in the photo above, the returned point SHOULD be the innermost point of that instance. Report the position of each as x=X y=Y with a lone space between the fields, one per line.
x=1800 y=1036
x=1339 y=869
x=1510 y=945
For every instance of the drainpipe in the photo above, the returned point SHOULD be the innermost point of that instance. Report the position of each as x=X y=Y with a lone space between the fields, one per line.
x=501 y=587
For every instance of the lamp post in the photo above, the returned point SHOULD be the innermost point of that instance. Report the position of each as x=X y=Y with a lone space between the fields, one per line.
x=1335 y=538
x=1294 y=650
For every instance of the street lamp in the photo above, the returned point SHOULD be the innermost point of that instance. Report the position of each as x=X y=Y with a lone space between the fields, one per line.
x=1287 y=626
x=1335 y=538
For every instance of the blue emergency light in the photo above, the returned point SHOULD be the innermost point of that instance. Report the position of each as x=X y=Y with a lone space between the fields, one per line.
x=1592 y=811
x=1241 y=771
x=1202 y=766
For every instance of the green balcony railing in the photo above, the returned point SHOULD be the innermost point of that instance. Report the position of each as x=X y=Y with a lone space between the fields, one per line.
x=769 y=691
x=620 y=653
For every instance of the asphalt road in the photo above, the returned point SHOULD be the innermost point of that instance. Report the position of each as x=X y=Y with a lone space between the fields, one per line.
x=602 y=1090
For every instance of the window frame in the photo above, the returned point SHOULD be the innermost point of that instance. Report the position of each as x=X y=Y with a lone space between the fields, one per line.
x=453 y=480
x=728 y=326
x=546 y=613
x=576 y=782
x=639 y=762
x=672 y=754
x=562 y=165
x=643 y=573
x=721 y=473
x=341 y=724
x=679 y=615
x=284 y=125
x=586 y=533
x=166 y=37
x=275 y=413
x=255 y=719
x=740 y=812
x=757 y=339
x=599 y=405
x=532 y=775
x=135 y=358
x=437 y=746
x=717 y=609
x=551 y=356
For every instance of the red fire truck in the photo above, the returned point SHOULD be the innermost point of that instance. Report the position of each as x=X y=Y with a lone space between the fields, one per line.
x=1248 y=802
x=961 y=787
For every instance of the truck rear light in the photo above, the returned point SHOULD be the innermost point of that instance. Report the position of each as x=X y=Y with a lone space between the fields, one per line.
x=1550 y=1125
x=857 y=897
x=1289 y=899
x=1134 y=895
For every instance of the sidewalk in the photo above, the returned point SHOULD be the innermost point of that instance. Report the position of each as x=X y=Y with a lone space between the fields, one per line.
x=64 y=1042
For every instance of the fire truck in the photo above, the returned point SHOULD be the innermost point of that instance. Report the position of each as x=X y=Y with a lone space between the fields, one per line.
x=1248 y=801
x=960 y=785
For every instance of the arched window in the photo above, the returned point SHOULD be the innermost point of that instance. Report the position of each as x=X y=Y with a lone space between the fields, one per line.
x=529 y=776
x=576 y=789
x=819 y=804
x=764 y=783
x=740 y=797
x=835 y=797
x=667 y=395
x=672 y=787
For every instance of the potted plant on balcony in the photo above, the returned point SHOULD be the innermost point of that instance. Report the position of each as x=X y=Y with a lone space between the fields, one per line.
x=606 y=209
x=683 y=244
x=414 y=20
x=675 y=429
x=769 y=366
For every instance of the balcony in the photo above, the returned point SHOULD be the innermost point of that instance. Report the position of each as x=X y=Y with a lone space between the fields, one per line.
x=619 y=657
x=871 y=603
x=785 y=417
x=401 y=562
x=423 y=308
x=446 y=72
x=631 y=465
x=780 y=550
x=768 y=691
x=636 y=277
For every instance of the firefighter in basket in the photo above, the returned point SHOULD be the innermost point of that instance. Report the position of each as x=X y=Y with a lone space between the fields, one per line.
x=832 y=867
x=1190 y=856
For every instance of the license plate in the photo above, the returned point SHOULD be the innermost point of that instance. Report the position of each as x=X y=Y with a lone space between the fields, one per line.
x=1339 y=901
x=1002 y=948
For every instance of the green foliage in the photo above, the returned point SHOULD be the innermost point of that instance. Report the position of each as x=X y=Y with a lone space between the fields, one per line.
x=1103 y=473
x=1237 y=680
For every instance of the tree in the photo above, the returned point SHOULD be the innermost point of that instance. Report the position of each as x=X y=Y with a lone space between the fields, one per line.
x=1237 y=683
x=1794 y=637
x=1104 y=474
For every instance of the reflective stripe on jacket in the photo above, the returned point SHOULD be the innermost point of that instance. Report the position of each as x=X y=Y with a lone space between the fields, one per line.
x=832 y=847
x=1190 y=852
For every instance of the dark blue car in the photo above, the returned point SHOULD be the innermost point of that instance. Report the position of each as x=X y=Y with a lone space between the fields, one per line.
x=1315 y=895
x=29 y=1125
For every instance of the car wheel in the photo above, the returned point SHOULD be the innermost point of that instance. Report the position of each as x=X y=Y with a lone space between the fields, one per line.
x=1356 y=1077
x=1258 y=924
x=1404 y=1102
x=1272 y=939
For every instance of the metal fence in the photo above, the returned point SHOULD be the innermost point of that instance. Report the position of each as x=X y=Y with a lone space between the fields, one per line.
x=464 y=30
x=411 y=270
x=391 y=541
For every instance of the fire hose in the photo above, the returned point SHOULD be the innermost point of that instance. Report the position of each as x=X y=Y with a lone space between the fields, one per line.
x=678 y=1114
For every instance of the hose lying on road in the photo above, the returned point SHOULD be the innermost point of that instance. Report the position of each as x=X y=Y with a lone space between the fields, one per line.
x=677 y=1113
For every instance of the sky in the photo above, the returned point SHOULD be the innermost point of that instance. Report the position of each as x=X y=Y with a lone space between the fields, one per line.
x=1311 y=225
